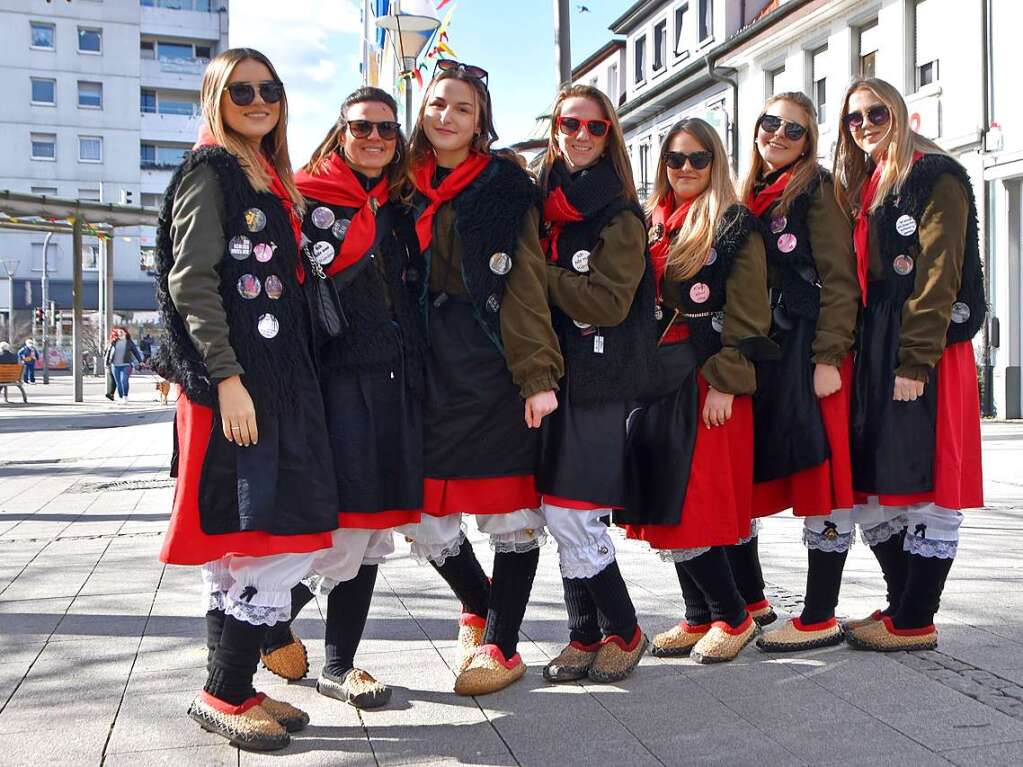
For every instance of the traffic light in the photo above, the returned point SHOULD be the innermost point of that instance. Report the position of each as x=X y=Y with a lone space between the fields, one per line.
x=39 y=315
x=127 y=197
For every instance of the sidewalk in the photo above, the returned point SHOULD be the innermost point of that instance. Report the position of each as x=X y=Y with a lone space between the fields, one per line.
x=103 y=646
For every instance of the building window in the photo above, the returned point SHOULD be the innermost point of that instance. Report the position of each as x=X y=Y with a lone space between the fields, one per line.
x=706 y=19
x=775 y=80
x=44 y=36
x=157 y=156
x=50 y=191
x=818 y=80
x=870 y=41
x=660 y=43
x=90 y=95
x=90 y=149
x=148 y=101
x=147 y=49
x=89 y=195
x=90 y=40
x=175 y=50
x=90 y=258
x=178 y=5
x=147 y=155
x=612 y=84
x=681 y=44
x=644 y=170
x=44 y=146
x=44 y=91
x=203 y=52
x=152 y=199
x=640 y=59
x=51 y=257
x=927 y=36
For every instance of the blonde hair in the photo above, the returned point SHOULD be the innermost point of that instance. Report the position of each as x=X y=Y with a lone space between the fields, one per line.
x=615 y=147
x=688 y=251
x=274 y=144
x=853 y=167
x=804 y=170
x=485 y=135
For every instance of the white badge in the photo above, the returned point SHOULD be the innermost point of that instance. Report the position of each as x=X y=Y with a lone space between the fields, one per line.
x=960 y=312
x=323 y=218
x=248 y=286
x=787 y=243
x=323 y=252
x=240 y=247
x=582 y=325
x=341 y=228
x=712 y=256
x=778 y=224
x=905 y=225
x=581 y=260
x=268 y=326
x=717 y=321
x=500 y=263
x=902 y=265
x=598 y=344
x=264 y=251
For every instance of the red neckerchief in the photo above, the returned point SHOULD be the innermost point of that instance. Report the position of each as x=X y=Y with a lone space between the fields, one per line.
x=459 y=178
x=670 y=219
x=557 y=211
x=765 y=198
x=861 y=230
x=337 y=185
x=277 y=188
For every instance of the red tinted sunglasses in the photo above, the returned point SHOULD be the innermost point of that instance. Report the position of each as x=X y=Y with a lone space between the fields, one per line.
x=571 y=125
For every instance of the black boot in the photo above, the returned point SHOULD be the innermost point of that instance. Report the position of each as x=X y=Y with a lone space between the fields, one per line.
x=234 y=661
x=466 y=578
x=925 y=582
x=697 y=611
x=744 y=559
x=713 y=576
x=823 y=582
x=279 y=634
x=509 y=594
x=894 y=562
x=609 y=592
x=583 y=621
x=214 y=629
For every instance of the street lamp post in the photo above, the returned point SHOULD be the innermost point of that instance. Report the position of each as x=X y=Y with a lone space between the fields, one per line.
x=47 y=315
x=10 y=267
x=409 y=34
x=562 y=43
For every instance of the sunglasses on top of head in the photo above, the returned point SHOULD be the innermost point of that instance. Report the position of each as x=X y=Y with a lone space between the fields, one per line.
x=876 y=115
x=771 y=123
x=243 y=94
x=698 y=160
x=386 y=129
x=570 y=126
x=475 y=72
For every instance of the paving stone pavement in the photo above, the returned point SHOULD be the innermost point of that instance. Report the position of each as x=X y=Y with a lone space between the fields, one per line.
x=102 y=645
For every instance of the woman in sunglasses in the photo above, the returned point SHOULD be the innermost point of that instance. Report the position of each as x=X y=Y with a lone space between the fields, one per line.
x=689 y=452
x=915 y=406
x=255 y=496
x=492 y=368
x=601 y=289
x=801 y=407
x=360 y=234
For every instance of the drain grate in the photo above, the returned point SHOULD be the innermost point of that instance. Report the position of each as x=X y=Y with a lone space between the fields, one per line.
x=134 y=484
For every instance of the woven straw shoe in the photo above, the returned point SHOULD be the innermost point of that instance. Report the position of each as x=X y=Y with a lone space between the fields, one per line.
x=470 y=639
x=289 y=661
x=572 y=664
x=488 y=671
x=678 y=640
x=796 y=635
x=291 y=718
x=723 y=643
x=616 y=659
x=248 y=726
x=357 y=687
x=882 y=636
x=856 y=623
x=762 y=612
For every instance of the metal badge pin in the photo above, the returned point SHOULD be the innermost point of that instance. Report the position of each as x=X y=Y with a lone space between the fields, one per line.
x=712 y=257
x=323 y=252
x=240 y=247
x=655 y=233
x=500 y=263
x=581 y=261
x=248 y=286
x=658 y=312
x=323 y=218
x=717 y=321
x=268 y=326
x=699 y=292
x=902 y=264
x=255 y=220
x=273 y=286
x=374 y=205
x=778 y=224
x=787 y=243
x=905 y=225
x=493 y=303
x=264 y=251
x=960 y=312
x=598 y=344
x=340 y=228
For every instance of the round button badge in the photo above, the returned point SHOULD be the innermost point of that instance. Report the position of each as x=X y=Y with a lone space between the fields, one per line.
x=905 y=225
x=699 y=292
x=582 y=325
x=656 y=232
x=240 y=247
x=712 y=257
x=493 y=303
x=658 y=312
x=255 y=220
x=581 y=261
x=778 y=224
x=264 y=251
x=787 y=243
x=323 y=218
x=717 y=321
x=323 y=252
x=248 y=286
x=902 y=265
x=500 y=263
x=960 y=312
x=273 y=287
x=268 y=326
x=340 y=228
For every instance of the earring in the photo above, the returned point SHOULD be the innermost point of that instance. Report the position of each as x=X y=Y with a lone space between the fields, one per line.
x=397 y=157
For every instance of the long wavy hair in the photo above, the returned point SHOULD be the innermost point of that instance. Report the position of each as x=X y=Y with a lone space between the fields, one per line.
x=399 y=179
x=274 y=144
x=614 y=149
x=486 y=134
x=688 y=251
x=804 y=169
x=853 y=168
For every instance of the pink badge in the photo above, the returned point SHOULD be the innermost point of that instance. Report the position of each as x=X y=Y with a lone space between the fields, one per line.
x=699 y=293
x=787 y=243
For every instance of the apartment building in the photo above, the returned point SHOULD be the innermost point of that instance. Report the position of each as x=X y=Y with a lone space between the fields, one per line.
x=101 y=98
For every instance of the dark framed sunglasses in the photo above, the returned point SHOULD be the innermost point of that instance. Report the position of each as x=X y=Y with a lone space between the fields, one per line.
x=876 y=115
x=677 y=160
x=475 y=72
x=386 y=129
x=243 y=94
x=571 y=125
x=771 y=123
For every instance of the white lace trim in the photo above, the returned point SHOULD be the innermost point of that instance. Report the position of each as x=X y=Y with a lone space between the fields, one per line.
x=681 y=555
x=214 y=600
x=754 y=531
x=872 y=536
x=820 y=542
x=517 y=543
x=320 y=585
x=425 y=554
x=586 y=561
x=257 y=615
x=926 y=547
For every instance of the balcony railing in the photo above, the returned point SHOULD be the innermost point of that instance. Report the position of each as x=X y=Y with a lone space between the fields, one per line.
x=207 y=6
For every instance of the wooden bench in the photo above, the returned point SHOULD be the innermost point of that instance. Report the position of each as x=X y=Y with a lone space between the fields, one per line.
x=10 y=375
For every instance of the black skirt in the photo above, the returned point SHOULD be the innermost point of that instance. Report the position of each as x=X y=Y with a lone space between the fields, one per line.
x=582 y=451
x=375 y=425
x=474 y=418
x=892 y=442
x=789 y=434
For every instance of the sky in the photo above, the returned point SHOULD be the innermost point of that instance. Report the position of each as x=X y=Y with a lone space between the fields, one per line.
x=315 y=46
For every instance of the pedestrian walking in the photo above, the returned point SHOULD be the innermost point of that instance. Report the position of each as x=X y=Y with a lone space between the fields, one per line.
x=28 y=356
x=689 y=451
x=915 y=430
x=601 y=290
x=492 y=368
x=122 y=355
x=256 y=495
x=361 y=234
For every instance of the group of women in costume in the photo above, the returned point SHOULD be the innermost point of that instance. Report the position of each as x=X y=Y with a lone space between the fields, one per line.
x=408 y=331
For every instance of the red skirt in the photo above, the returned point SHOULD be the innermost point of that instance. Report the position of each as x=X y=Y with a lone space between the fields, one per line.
x=185 y=543
x=716 y=511
x=378 y=520
x=821 y=489
x=490 y=495
x=958 y=476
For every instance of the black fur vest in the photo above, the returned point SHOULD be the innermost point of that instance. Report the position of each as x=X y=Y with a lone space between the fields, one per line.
x=264 y=303
x=895 y=224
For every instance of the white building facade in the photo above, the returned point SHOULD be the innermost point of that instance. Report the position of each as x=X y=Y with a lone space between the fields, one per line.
x=101 y=98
